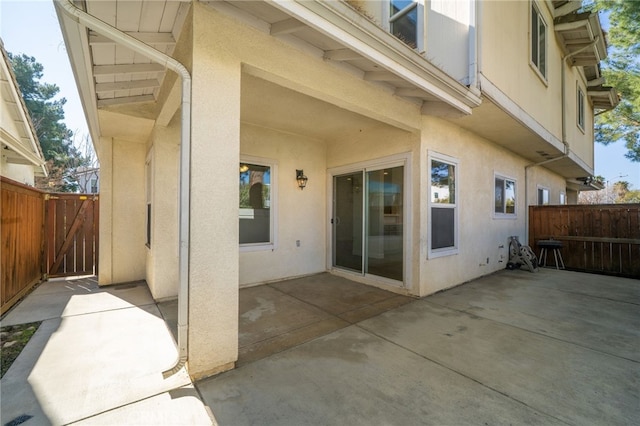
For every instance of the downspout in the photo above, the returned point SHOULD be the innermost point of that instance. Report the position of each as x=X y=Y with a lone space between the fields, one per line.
x=474 y=55
x=526 y=189
x=137 y=46
x=567 y=150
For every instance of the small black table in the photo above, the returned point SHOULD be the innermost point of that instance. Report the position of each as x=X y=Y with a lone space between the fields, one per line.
x=554 y=245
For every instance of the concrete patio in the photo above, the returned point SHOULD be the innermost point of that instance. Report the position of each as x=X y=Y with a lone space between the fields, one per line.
x=555 y=347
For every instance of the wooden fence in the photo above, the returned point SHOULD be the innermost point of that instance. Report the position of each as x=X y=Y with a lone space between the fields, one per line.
x=71 y=234
x=596 y=238
x=22 y=236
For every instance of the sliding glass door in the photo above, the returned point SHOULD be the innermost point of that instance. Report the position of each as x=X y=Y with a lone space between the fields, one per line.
x=368 y=222
x=348 y=221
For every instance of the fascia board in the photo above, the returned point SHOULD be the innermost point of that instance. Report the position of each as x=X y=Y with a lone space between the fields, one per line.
x=77 y=44
x=338 y=21
x=596 y=29
x=15 y=145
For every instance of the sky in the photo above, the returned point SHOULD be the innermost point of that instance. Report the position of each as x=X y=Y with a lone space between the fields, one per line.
x=31 y=27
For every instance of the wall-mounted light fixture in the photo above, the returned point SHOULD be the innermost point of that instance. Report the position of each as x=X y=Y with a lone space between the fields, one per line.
x=301 y=178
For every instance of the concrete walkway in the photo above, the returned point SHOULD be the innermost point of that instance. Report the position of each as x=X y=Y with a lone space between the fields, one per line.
x=555 y=347
x=97 y=358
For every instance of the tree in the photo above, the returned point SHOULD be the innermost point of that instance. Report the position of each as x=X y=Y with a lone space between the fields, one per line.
x=624 y=194
x=622 y=71
x=47 y=115
x=616 y=193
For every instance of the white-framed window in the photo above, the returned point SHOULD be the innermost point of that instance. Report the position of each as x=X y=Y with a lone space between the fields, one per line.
x=543 y=196
x=563 y=198
x=538 y=41
x=406 y=21
x=580 y=108
x=94 y=185
x=257 y=203
x=504 y=197
x=443 y=205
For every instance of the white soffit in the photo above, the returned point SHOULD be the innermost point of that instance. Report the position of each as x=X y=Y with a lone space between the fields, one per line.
x=117 y=75
x=340 y=34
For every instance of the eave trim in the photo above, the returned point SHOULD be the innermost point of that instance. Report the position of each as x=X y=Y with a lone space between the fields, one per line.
x=341 y=23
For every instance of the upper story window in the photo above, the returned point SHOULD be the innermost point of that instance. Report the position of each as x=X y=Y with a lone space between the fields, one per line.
x=405 y=21
x=580 y=108
x=538 y=41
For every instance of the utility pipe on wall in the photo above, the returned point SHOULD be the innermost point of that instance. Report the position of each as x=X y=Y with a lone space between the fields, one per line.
x=137 y=46
x=567 y=149
x=473 y=44
x=526 y=191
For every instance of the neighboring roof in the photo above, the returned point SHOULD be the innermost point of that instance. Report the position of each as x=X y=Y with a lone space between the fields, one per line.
x=19 y=140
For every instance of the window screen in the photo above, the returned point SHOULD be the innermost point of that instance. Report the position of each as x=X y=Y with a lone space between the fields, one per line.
x=442 y=228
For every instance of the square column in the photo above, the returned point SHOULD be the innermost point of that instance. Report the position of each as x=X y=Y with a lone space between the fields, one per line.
x=215 y=148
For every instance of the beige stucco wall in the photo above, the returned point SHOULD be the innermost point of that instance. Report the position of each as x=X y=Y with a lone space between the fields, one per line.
x=122 y=211
x=541 y=177
x=541 y=98
x=271 y=59
x=300 y=214
x=375 y=142
x=509 y=43
x=162 y=254
x=481 y=236
x=580 y=140
x=215 y=148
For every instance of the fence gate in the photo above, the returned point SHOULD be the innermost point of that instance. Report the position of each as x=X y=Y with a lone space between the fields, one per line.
x=71 y=234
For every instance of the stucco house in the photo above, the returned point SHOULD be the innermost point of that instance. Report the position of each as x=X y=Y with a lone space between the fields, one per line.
x=396 y=143
x=22 y=159
x=88 y=179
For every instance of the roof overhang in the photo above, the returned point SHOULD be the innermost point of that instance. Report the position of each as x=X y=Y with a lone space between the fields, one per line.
x=22 y=147
x=603 y=98
x=584 y=45
x=581 y=37
x=587 y=183
x=367 y=46
x=111 y=78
